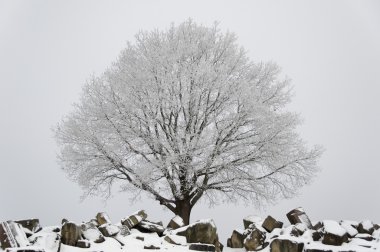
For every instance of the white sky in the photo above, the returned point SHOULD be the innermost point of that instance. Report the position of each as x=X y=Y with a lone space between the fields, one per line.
x=330 y=49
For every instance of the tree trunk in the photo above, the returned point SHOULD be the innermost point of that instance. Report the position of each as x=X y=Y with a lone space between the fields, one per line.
x=183 y=209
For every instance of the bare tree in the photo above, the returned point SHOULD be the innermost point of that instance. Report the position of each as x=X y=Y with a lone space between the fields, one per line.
x=182 y=114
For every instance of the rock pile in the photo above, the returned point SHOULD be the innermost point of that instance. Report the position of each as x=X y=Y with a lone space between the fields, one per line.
x=302 y=235
x=27 y=235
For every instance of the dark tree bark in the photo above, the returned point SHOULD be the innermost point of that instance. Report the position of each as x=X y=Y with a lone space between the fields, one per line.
x=183 y=209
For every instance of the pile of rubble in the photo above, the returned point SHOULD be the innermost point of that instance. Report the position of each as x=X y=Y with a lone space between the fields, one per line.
x=303 y=235
x=28 y=236
x=137 y=233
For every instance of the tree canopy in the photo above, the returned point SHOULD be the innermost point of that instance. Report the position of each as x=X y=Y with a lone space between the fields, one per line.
x=184 y=114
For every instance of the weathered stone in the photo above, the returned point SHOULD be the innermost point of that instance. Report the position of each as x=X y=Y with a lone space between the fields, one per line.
x=334 y=233
x=298 y=215
x=176 y=239
x=83 y=244
x=366 y=227
x=334 y=239
x=270 y=223
x=202 y=247
x=91 y=232
x=31 y=224
x=12 y=235
x=176 y=222
x=279 y=245
x=103 y=218
x=295 y=232
x=134 y=219
x=237 y=239
x=247 y=221
x=150 y=227
x=109 y=230
x=255 y=240
x=151 y=247
x=70 y=233
x=200 y=232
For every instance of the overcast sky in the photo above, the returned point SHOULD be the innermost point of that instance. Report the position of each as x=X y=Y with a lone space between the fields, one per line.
x=330 y=50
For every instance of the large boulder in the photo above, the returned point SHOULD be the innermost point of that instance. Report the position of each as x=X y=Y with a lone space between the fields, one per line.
x=134 y=219
x=255 y=240
x=350 y=229
x=12 y=235
x=334 y=234
x=271 y=223
x=298 y=215
x=202 y=231
x=283 y=245
x=176 y=222
x=70 y=233
x=31 y=224
x=91 y=232
x=150 y=227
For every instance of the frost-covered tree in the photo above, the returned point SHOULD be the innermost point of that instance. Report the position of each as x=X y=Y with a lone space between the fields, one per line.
x=184 y=114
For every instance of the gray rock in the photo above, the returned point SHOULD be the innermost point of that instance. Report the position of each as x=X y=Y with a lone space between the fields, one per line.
x=91 y=232
x=298 y=215
x=201 y=232
x=70 y=234
x=366 y=227
x=150 y=227
x=202 y=247
x=176 y=222
x=237 y=239
x=279 y=245
x=255 y=240
x=334 y=239
x=270 y=223
x=134 y=219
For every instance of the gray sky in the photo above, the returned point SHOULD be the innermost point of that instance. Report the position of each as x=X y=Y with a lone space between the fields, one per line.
x=330 y=49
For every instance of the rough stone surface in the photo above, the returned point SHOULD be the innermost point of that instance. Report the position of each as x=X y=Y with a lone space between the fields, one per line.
x=103 y=218
x=279 y=245
x=150 y=227
x=202 y=247
x=31 y=224
x=271 y=223
x=70 y=234
x=124 y=230
x=12 y=235
x=201 y=232
x=249 y=220
x=333 y=239
x=134 y=219
x=255 y=240
x=91 y=232
x=299 y=216
x=237 y=239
